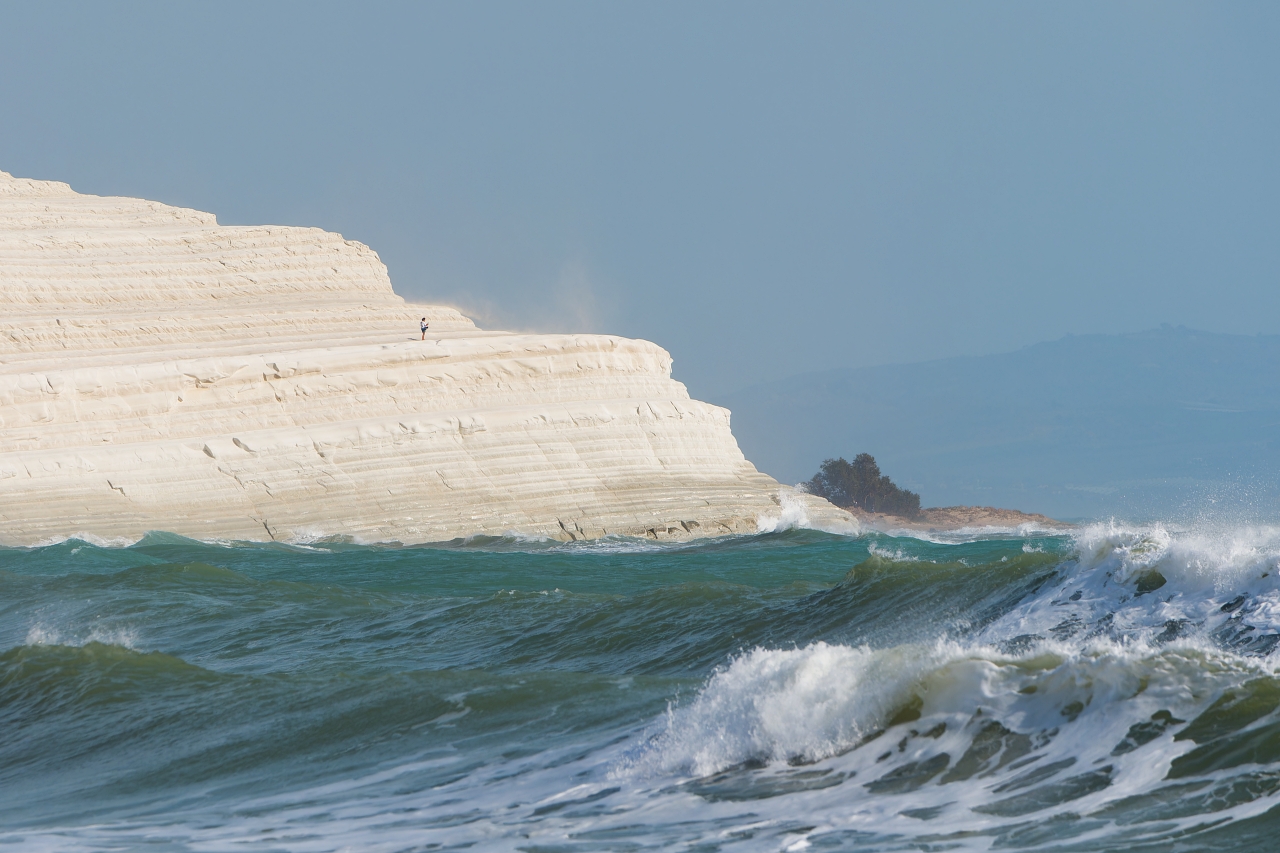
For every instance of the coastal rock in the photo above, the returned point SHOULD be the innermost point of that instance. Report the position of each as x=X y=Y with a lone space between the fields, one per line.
x=159 y=371
x=951 y=519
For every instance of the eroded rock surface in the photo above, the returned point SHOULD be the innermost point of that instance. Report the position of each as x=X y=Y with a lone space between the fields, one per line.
x=159 y=371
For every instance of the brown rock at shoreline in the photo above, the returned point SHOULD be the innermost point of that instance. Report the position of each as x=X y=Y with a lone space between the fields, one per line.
x=948 y=518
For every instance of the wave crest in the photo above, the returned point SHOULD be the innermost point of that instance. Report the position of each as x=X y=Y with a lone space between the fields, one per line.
x=784 y=705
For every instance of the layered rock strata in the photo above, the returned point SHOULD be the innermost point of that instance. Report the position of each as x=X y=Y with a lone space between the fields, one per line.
x=159 y=371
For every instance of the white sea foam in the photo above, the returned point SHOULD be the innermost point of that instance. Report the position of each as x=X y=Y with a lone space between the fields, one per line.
x=1221 y=555
x=1062 y=708
x=793 y=514
x=1149 y=582
x=897 y=554
x=1061 y=696
x=41 y=634
x=622 y=545
x=1050 y=700
x=90 y=539
x=965 y=535
x=780 y=704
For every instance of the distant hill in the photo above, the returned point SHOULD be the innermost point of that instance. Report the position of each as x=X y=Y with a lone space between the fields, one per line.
x=1156 y=423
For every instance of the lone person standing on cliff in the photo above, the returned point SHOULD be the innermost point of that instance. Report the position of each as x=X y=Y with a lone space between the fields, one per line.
x=423 y=325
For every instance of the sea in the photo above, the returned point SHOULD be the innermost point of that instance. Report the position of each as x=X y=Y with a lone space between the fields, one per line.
x=1109 y=687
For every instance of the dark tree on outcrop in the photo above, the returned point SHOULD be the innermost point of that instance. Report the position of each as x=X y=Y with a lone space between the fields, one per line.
x=860 y=484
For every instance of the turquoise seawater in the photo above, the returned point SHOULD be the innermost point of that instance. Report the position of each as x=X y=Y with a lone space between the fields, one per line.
x=1112 y=689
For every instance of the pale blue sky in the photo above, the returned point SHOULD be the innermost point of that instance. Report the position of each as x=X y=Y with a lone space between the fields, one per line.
x=763 y=189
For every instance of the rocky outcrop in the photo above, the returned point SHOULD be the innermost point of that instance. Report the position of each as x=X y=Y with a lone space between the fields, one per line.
x=159 y=371
x=954 y=519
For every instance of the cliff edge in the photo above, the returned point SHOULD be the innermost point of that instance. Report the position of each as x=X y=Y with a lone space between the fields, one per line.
x=159 y=371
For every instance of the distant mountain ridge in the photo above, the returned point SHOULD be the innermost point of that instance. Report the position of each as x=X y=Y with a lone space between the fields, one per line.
x=1168 y=420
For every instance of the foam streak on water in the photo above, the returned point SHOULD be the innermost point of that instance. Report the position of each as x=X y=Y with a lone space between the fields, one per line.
x=1116 y=689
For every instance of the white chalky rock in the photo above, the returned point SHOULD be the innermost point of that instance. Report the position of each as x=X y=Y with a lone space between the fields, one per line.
x=159 y=371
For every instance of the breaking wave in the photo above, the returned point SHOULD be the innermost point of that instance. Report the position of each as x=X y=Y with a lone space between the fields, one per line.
x=1115 y=689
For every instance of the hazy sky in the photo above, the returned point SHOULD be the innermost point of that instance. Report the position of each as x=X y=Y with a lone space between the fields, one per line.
x=762 y=189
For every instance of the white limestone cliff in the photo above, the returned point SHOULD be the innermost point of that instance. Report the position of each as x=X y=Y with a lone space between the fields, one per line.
x=159 y=371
